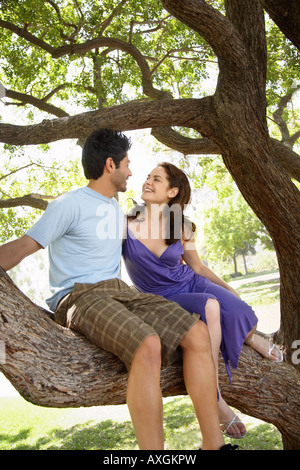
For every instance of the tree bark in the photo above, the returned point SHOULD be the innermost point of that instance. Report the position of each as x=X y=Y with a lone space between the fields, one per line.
x=286 y=14
x=187 y=113
x=240 y=130
x=28 y=200
x=52 y=366
x=125 y=117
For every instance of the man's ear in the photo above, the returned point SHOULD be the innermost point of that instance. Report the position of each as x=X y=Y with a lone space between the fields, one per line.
x=110 y=165
x=172 y=192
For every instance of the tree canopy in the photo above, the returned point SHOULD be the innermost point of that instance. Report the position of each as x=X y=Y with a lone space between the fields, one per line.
x=62 y=57
x=59 y=58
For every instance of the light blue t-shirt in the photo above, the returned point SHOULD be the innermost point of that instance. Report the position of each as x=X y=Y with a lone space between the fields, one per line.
x=83 y=231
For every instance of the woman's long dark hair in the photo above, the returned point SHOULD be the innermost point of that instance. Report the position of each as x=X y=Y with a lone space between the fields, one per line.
x=176 y=179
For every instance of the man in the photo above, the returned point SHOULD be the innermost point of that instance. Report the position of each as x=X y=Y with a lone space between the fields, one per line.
x=83 y=230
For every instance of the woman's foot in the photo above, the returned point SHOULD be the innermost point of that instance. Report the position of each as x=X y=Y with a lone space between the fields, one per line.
x=234 y=428
x=265 y=348
x=231 y=425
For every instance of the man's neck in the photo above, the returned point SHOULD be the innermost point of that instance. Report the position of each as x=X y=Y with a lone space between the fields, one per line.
x=102 y=187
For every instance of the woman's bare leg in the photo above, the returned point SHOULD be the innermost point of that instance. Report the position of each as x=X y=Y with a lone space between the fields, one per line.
x=213 y=320
x=261 y=345
x=200 y=380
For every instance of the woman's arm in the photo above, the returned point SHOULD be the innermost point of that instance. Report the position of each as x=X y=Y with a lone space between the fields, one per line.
x=191 y=258
x=12 y=253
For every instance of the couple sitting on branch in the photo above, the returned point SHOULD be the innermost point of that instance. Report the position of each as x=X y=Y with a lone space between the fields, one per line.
x=178 y=302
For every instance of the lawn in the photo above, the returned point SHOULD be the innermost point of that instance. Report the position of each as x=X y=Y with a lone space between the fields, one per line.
x=262 y=289
x=24 y=426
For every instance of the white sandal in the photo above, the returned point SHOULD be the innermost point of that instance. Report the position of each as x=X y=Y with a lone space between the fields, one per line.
x=268 y=354
x=279 y=353
x=234 y=420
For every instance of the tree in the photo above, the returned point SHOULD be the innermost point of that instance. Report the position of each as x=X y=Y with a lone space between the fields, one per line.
x=227 y=226
x=31 y=183
x=232 y=229
x=232 y=122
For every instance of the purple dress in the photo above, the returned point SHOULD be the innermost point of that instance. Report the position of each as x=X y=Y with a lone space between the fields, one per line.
x=168 y=277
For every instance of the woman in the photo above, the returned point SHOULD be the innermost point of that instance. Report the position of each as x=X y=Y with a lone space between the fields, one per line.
x=161 y=258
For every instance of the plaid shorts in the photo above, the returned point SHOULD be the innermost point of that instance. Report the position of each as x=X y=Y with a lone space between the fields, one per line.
x=118 y=318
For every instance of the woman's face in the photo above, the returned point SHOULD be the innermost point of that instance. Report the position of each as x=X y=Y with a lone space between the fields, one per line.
x=156 y=188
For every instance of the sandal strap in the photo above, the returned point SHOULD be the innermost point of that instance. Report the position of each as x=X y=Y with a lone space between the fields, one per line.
x=227 y=425
x=273 y=346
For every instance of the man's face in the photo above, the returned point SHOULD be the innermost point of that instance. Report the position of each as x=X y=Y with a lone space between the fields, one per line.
x=121 y=175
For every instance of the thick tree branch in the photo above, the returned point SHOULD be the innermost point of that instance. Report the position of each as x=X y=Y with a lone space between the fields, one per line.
x=287 y=139
x=214 y=27
x=289 y=159
x=286 y=14
x=29 y=200
x=81 y=49
x=129 y=116
x=183 y=144
x=40 y=104
x=75 y=27
x=55 y=367
x=118 y=44
x=113 y=14
x=248 y=18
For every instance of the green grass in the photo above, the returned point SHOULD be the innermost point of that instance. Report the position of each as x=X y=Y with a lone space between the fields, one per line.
x=258 y=292
x=24 y=426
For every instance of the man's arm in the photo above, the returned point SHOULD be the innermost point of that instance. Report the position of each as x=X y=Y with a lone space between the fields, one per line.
x=12 y=253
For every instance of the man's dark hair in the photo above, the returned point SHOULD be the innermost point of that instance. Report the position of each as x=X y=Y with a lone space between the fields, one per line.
x=99 y=146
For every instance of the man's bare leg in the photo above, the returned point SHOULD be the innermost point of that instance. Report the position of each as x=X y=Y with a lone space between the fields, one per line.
x=144 y=397
x=201 y=384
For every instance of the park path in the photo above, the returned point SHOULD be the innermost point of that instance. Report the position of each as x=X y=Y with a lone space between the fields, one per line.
x=268 y=315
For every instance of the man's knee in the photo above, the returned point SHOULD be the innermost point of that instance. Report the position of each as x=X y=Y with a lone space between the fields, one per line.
x=149 y=352
x=197 y=338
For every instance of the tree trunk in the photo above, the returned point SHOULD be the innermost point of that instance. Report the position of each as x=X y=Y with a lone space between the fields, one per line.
x=240 y=130
x=235 y=265
x=245 y=264
x=54 y=367
x=248 y=155
x=286 y=14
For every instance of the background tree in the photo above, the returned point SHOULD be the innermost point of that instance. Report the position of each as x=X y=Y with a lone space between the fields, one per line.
x=30 y=182
x=139 y=65
x=232 y=229
x=227 y=226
